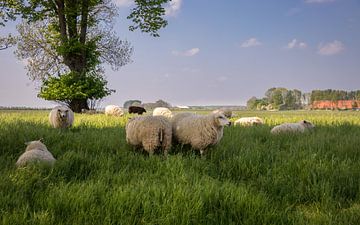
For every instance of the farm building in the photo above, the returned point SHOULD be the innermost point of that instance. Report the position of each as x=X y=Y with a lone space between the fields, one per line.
x=339 y=104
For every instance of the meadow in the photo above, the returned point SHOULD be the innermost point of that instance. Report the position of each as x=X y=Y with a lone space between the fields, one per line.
x=250 y=177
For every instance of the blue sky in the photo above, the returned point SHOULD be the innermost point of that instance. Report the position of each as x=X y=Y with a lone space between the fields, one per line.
x=224 y=52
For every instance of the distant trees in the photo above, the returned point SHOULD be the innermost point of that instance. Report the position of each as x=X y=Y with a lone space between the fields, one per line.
x=131 y=102
x=334 y=95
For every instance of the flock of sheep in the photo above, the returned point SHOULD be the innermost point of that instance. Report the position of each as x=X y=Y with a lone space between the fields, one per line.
x=159 y=130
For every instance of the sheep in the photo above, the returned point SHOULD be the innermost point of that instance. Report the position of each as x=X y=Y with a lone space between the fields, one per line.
x=137 y=109
x=113 y=110
x=200 y=131
x=162 y=111
x=249 y=121
x=35 y=151
x=300 y=127
x=61 y=117
x=226 y=111
x=149 y=132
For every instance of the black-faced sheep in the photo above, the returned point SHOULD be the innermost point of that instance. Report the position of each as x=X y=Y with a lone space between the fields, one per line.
x=300 y=127
x=137 y=109
x=149 y=132
x=61 y=117
x=35 y=151
x=200 y=131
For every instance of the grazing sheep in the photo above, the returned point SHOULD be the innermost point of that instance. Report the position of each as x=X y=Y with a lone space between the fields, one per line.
x=150 y=132
x=300 y=127
x=35 y=152
x=226 y=111
x=137 y=109
x=61 y=117
x=200 y=131
x=113 y=110
x=249 y=121
x=162 y=111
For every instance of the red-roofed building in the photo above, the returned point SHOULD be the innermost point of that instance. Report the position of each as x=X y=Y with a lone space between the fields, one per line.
x=340 y=104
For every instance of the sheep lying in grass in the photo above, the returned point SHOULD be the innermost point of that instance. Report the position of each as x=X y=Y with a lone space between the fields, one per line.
x=149 y=132
x=162 y=111
x=113 y=110
x=249 y=121
x=300 y=127
x=35 y=151
x=200 y=131
x=226 y=111
x=61 y=117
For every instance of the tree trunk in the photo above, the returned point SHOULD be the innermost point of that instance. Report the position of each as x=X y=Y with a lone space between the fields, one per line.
x=77 y=105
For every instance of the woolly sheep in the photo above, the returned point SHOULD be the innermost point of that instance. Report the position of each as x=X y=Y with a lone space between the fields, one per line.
x=226 y=111
x=249 y=121
x=300 y=127
x=61 y=117
x=35 y=151
x=113 y=110
x=136 y=109
x=149 y=132
x=200 y=131
x=162 y=111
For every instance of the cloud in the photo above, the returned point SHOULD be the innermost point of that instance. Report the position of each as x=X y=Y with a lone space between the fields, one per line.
x=318 y=1
x=173 y=8
x=331 y=48
x=296 y=44
x=124 y=3
x=188 y=53
x=252 y=42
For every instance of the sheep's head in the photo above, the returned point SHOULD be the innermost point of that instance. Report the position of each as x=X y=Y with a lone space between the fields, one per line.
x=35 y=145
x=307 y=124
x=63 y=113
x=220 y=120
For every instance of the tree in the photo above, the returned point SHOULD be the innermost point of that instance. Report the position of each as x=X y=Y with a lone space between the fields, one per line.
x=129 y=103
x=251 y=104
x=8 y=12
x=76 y=37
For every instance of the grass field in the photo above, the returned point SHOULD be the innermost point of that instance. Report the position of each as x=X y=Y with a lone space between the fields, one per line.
x=251 y=177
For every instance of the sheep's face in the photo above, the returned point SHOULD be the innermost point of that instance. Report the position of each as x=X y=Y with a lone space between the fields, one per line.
x=220 y=120
x=307 y=124
x=63 y=113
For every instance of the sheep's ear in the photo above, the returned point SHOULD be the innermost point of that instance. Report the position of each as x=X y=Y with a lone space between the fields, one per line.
x=304 y=121
x=41 y=140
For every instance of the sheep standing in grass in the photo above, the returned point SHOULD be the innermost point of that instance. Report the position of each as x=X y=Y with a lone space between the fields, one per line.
x=300 y=127
x=249 y=121
x=162 y=111
x=136 y=110
x=113 y=110
x=226 y=111
x=149 y=132
x=200 y=131
x=61 y=117
x=35 y=151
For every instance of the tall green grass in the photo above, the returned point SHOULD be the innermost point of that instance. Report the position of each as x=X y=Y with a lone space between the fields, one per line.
x=251 y=177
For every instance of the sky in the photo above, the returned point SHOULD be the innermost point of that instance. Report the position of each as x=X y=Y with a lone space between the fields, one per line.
x=222 y=53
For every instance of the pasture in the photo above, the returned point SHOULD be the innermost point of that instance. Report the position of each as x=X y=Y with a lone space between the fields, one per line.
x=251 y=177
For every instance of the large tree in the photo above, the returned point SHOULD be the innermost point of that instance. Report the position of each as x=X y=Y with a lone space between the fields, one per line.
x=71 y=39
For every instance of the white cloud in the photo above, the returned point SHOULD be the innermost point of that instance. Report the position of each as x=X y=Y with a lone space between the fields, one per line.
x=296 y=44
x=252 y=42
x=124 y=3
x=331 y=48
x=318 y=1
x=173 y=8
x=188 y=53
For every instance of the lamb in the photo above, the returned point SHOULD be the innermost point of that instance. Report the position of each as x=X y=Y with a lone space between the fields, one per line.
x=113 y=110
x=61 y=117
x=249 y=121
x=149 y=132
x=200 y=131
x=226 y=111
x=300 y=127
x=162 y=111
x=137 y=109
x=35 y=151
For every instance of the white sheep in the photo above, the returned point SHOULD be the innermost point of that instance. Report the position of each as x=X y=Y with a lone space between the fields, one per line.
x=300 y=127
x=35 y=151
x=113 y=110
x=162 y=111
x=249 y=121
x=226 y=111
x=200 y=131
x=61 y=117
x=149 y=132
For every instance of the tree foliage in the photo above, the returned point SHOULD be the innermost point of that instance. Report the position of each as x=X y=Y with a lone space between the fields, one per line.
x=334 y=95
